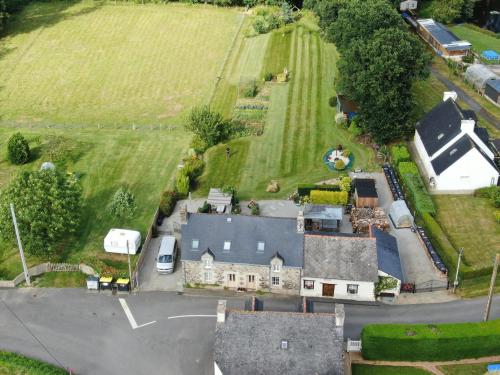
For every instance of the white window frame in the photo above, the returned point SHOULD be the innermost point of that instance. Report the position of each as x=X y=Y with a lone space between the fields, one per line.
x=311 y=282
x=275 y=281
x=197 y=244
x=229 y=277
x=349 y=286
x=251 y=277
x=261 y=246
x=207 y=277
x=227 y=246
x=207 y=263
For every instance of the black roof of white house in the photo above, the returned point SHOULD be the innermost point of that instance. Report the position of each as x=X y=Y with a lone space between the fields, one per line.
x=242 y=239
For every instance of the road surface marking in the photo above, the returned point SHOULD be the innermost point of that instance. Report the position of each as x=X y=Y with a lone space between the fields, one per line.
x=192 y=316
x=130 y=317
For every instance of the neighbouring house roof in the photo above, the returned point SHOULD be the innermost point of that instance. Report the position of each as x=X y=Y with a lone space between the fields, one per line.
x=340 y=257
x=482 y=134
x=444 y=36
x=365 y=187
x=494 y=84
x=440 y=125
x=458 y=149
x=347 y=105
x=244 y=233
x=496 y=146
x=388 y=254
x=323 y=212
x=250 y=343
x=217 y=198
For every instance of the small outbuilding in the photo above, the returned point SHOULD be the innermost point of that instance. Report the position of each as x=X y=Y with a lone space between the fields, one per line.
x=400 y=214
x=346 y=106
x=365 y=193
x=219 y=201
x=442 y=40
x=478 y=75
x=492 y=91
x=322 y=218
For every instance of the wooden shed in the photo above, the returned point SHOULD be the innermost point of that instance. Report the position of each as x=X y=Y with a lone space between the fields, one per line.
x=365 y=193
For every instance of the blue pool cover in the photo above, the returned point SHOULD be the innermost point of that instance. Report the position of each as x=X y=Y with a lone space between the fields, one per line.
x=490 y=55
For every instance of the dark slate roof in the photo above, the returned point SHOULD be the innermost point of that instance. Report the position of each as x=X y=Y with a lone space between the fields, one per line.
x=249 y=343
x=388 y=254
x=458 y=149
x=365 y=187
x=494 y=84
x=440 y=125
x=496 y=146
x=482 y=134
x=278 y=234
x=323 y=212
x=339 y=257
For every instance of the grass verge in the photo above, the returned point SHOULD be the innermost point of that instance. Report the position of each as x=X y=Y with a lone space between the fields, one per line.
x=15 y=364
x=386 y=370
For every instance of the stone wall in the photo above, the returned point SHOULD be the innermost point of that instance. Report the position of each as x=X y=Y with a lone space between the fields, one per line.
x=194 y=273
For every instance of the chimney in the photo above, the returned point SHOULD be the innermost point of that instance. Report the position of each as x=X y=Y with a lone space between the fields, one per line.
x=184 y=214
x=339 y=315
x=300 y=222
x=450 y=94
x=468 y=126
x=221 y=311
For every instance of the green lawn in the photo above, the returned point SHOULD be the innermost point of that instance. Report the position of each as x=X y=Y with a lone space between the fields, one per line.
x=386 y=370
x=15 y=364
x=480 y=41
x=475 y=369
x=300 y=125
x=60 y=280
x=90 y=63
x=469 y=224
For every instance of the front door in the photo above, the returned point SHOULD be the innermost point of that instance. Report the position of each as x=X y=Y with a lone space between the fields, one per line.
x=231 y=280
x=328 y=290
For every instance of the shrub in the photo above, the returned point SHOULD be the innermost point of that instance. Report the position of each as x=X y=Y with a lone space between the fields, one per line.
x=491 y=192
x=167 y=202
x=468 y=59
x=268 y=76
x=408 y=167
x=260 y=25
x=123 y=204
x=193 y=167
x=346 y=153
x=18 y=149
x=332 y=101
x=209 y=126
x=255 y=210
x=205 y=209
x=428 y=342
x=198 y=145
x=417 y=194
x=339 y=165
x=329 y=197
x=223 y=3
x=400 y=153
x=345 y=184
x=354 y=129
x=305 y=189
x=182 y=183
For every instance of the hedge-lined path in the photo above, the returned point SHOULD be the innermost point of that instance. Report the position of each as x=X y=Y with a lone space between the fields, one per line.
x=356 y=358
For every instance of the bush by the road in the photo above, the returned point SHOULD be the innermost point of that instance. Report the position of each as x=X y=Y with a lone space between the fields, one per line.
x=429 y=342
x=12 y=363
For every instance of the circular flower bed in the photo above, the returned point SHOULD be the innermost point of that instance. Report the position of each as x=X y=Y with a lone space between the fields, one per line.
x=337 y=159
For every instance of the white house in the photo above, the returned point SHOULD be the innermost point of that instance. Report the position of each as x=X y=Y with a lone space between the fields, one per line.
x=454 y=152
x=341 y=266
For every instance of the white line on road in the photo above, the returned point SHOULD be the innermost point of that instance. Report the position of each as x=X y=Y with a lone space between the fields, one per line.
x=130 y=317
x=192 y=316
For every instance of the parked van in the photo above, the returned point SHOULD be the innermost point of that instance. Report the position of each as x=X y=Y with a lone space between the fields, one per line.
x=122 y=241
x=166 y=255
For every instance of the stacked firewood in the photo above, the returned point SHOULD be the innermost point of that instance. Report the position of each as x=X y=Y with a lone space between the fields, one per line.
x=362 y=218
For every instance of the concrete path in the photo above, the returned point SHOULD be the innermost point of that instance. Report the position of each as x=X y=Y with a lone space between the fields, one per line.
x=432 y=367
x=471 y=102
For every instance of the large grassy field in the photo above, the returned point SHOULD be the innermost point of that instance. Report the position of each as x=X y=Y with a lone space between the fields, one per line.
x=299 y=126
x=480 y=41
x=469 y=224
x=87 y=63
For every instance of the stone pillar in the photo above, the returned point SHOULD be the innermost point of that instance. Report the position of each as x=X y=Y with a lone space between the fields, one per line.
x=221 y=311
x=339 y=315
x=300 y=222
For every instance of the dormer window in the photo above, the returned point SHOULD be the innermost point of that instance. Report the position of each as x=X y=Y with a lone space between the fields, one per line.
x=208 y=263
x=227 y=246
x=261 y=246
x=284 y=344
x=440 y=136
x=453 y=151
x=276 y=267
x=195 y=244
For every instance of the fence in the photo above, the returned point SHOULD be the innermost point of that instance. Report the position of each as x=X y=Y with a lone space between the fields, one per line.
x=47 y=267
x=431 y=285
x=353 y=345
x=135 y=275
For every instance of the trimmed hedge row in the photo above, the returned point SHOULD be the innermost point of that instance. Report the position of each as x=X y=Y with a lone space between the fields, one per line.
x=427 y=342
x=399 y=153
x=417 y=194
x=305 y=189
x=329 y=197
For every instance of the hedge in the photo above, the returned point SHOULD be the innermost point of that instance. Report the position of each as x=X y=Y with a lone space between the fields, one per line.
x=305 y=189
x=329 y=197
x=19 y=364
x=428 y=342
x=417 y=194
x=408 y=167
x=400 y=154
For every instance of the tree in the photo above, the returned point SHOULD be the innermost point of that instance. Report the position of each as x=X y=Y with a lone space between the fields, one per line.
x=210 y=127
x=360 y=19
x=18 y=149
x=378 y=74
x=48 y=207
x=327 y=11
x=3 y=14
x=123 y=204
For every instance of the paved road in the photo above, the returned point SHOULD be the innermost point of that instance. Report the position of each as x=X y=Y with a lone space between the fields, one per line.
x=91 y=333
x=472 y=103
